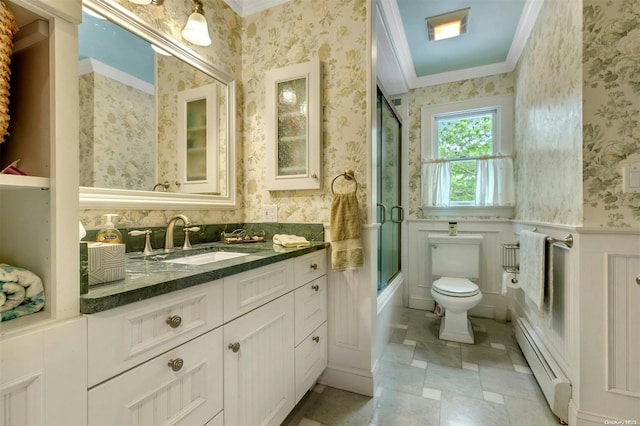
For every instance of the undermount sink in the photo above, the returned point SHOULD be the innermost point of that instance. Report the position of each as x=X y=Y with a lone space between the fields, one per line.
x=201 y=259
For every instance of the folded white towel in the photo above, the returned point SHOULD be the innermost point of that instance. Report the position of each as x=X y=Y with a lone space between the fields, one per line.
x=290 y=240
x=532 y=265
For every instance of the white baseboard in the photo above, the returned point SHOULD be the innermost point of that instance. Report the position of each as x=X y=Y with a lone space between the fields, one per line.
x=349 y=379
x=579 y=417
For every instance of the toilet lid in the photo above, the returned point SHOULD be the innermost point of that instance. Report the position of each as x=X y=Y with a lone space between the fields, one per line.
x=456 y=287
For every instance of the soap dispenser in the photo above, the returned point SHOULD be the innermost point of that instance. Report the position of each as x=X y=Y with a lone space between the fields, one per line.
x=109 y=233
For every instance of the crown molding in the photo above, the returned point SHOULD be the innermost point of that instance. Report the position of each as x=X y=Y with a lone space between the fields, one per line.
x=391 y=16
x=249 y=7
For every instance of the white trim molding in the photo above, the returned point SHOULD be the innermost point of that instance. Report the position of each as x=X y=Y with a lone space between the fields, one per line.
x=391 y=15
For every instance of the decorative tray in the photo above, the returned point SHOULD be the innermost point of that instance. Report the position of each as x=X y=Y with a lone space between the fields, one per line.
x=241 y=236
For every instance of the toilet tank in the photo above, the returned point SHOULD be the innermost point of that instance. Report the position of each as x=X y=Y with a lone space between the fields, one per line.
x=455 y=256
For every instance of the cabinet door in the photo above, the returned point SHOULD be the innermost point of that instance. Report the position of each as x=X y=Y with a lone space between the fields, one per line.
x=259 y=375
x=43 y=376
x=198 y=140
x=155 y=393
x=293 y=127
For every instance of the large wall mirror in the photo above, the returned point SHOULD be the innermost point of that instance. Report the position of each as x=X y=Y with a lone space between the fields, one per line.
x=157 y=126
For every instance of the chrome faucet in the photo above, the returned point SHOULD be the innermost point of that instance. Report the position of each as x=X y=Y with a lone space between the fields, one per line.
x=168 y=237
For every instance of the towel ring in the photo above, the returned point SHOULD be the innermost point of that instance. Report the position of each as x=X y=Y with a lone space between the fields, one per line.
x=348 y=175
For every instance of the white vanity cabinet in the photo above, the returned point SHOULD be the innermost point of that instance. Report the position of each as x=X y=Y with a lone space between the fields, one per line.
x=275 y=353
x=249 y=347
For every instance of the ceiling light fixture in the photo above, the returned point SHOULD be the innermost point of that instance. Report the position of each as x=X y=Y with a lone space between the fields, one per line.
x=447 y=25
x=196 y=30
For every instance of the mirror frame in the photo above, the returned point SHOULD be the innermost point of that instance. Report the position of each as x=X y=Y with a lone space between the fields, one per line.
x=123 y=198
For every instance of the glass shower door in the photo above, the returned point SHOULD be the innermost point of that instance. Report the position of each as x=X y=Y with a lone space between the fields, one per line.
x=390 y=212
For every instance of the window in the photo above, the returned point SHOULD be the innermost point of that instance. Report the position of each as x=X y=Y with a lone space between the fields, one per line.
x=466 y=153
x=462 y=138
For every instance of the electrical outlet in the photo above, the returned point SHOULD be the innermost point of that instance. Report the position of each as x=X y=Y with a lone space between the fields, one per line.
x=269 y=213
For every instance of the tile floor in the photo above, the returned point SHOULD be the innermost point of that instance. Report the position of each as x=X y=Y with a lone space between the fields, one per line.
x=422 y=380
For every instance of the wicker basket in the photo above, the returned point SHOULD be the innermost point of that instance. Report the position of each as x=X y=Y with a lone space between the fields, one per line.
x=8 y=28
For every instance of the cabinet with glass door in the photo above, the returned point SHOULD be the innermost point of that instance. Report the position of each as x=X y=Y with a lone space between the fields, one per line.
x=197 y=140
x=293 y=113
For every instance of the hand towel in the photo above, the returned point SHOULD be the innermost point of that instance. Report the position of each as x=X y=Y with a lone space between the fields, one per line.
x=290 y=240
x=346 y=247
x=22 y=292
x=532 y=265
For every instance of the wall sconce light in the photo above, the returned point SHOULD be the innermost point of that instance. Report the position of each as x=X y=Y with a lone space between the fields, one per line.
x=196 y=30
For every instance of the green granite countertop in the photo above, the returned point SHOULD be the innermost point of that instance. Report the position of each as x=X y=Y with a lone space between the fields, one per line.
x=148 y=278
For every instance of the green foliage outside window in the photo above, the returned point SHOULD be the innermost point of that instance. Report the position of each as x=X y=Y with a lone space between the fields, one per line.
x=460 y=138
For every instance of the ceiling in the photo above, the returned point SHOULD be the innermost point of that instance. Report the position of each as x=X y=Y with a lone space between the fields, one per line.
x=497 y=31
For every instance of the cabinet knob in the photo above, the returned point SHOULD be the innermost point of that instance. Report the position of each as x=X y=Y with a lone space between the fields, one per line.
x=638 y=279
x=176 y=364
x=316 y=339
x=316 y=287
x=313 y=266
x=174 y=321
x=235 y=347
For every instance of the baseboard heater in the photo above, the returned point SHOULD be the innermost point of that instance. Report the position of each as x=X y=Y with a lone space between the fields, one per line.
x=554 y=384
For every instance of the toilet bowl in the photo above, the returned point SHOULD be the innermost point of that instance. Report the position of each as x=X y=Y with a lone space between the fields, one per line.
x=455 y=262
x=456 y=296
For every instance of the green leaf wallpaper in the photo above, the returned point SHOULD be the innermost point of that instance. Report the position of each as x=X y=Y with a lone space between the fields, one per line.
x=611 y=130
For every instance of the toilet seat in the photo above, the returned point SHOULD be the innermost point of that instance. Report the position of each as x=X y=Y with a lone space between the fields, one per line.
x=455 y=287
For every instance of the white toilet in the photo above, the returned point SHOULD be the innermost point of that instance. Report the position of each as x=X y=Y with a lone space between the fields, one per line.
x=455 y=264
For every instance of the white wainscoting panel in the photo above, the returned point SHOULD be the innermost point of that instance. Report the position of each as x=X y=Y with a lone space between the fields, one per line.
x=352 y=310
x=608 y=325
x=623 y=318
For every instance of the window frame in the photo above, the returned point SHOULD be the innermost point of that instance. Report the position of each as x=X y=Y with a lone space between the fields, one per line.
x=503 y=124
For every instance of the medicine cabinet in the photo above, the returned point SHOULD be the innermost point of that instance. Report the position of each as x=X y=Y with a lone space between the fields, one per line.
x=197 y=140
x=294 y=134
